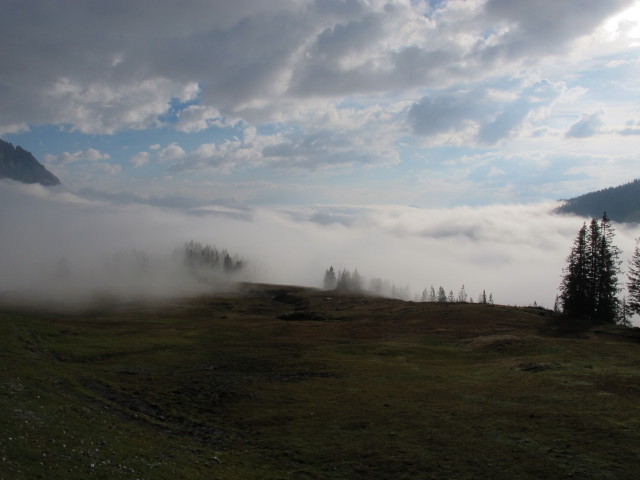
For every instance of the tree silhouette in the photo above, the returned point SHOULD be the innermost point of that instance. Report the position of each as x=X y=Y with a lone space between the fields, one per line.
x=483 y=297
x=330 y=281
x=590 y=283
x=442 y=295
x=573 y=290
x=633 y=285
x=462 y=295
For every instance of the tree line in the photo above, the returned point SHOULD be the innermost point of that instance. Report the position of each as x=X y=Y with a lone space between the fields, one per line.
x=197 y=255
x=441 y=296
x=590 y=283
x=352 y=281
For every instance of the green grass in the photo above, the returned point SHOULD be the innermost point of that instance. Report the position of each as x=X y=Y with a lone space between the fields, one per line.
x=225 y=387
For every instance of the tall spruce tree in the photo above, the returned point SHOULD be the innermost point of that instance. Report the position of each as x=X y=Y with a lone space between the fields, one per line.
x=633 y=284
x=573 y=290
x=590 y=283
x=607 y=303
x=330 y=280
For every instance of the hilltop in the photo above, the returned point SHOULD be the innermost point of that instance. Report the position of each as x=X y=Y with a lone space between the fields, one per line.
x=622 y=203
x=272 y=382
x=20 y=165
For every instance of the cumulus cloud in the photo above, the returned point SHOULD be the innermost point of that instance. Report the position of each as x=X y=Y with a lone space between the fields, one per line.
x=91 y=155
x=100 y=107
x=632 y=127
x=89 y=160
x=140 y=159
x=307 y=86
x=545 y=26
x=171 y=152
x=122 y=69
x=221 y=156
x=195 y=118
x=482 y=115
x=588 y=125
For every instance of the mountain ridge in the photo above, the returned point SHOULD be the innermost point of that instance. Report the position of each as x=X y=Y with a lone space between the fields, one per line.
x=18 y=164
x=622 y=203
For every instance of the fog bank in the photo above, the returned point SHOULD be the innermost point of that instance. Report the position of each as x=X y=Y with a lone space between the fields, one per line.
x=61 y=243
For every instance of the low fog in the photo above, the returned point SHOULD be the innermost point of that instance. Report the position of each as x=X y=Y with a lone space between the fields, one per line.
x=59 y=245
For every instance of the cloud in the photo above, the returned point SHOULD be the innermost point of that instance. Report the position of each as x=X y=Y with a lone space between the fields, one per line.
x=90 y=155
x=171 y=152
x=444 y=113
x=222 y=156
x=125 y=69
x=485 y=115
x=109 y=169
x=196 y=118
x=140 y=159
x=166 y=201
x=588 y=125
x=328 y=87
x=89 y=161
x=515 y=252
x=104 y=108
x=326 y=150
x=546 y=26
x=632 y=127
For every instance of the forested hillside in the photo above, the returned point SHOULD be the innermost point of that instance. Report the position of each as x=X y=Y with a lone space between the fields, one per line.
x=621 y=203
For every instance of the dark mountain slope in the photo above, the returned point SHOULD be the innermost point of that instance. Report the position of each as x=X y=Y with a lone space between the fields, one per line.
x=621 y=203
x=20 y=165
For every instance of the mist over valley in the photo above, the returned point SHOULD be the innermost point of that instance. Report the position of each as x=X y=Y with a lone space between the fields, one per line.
x=67 y=246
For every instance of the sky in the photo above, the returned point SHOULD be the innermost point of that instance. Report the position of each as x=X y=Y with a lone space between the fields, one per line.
x=362 y=128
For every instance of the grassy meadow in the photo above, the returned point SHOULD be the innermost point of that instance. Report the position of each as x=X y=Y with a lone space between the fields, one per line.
x=278 y=382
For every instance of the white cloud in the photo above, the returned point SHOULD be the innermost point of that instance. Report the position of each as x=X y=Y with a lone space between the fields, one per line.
x=225 y=155
x=230 y=57
x=319 y=86
x=484 y=115
x=522 y=247
x=83 y=164
x=90 y=155
x=171 y=152
x=198 y=117
x=108 y=168
x=100 y=107
x=140 y=159
x=588 y=125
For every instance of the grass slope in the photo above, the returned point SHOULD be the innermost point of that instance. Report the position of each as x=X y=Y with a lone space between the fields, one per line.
x=289 y=383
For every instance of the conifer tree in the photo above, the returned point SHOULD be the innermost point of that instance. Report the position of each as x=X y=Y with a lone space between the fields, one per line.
x=607 y=303
x=573 y=290
x=623 y=317
x=482 y=298
x=356 y=281
x=330 y=281
x=633 y=285
x=432 y=294
x=442 y=295
x=556 y=305
x=375 y=285
x=590 y=283
x=344 y=280
x=462 y=295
